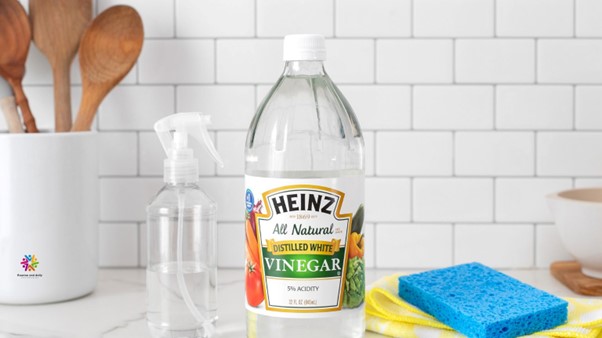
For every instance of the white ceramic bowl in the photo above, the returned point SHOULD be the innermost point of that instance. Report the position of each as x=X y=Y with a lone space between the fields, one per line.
x=578 y=216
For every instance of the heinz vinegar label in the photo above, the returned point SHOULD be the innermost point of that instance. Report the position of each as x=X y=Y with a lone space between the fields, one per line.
x=304 y=245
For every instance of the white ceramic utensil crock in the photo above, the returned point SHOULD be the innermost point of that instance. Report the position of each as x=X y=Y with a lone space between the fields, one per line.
x=578 y=217
x=48 y=216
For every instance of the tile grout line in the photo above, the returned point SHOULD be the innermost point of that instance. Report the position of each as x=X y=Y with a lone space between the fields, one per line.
x=574 y=182
x=412 y=93
x=495 y=19
x=453 y=243
x=139 y=235
x=175 y=98
x=535 y=153
x=453 y=159
x=454 y=63
x=534 y=258
x=374 y=151
x=535 y=61
x=429 y=177
x=412 y=204
x=175 y=18
x=389 y=38
x=255 y=9
x=494 y=199
x=215 y=61
x=390 y=84
x=375 y=67
x=334 y=18
x=404 y=222
x=216 y=144
x=412 y=18
x=494 y=87
x=137 y=153
x=574 y=107
x=574 y=18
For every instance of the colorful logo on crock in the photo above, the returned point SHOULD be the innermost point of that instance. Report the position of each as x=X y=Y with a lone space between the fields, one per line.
x=29 y=263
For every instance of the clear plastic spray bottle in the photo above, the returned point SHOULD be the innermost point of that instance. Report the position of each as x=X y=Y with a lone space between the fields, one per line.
x=182 y=234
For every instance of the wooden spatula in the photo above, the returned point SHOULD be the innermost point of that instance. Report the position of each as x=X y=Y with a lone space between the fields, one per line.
x=57 y=28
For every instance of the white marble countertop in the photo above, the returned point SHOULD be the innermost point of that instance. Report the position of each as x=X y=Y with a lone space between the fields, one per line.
x=116 y=309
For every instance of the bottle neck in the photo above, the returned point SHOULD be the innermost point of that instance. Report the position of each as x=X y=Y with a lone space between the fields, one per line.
x=180 y=171
x=182 y=185
x=304 y=68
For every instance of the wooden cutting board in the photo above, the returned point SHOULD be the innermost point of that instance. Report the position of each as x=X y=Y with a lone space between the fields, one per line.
x=569 y=273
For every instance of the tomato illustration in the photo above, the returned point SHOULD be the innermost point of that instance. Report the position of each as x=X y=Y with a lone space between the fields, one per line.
x=253 y=284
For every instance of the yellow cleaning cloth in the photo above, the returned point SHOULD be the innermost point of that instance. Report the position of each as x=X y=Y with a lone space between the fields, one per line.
x=388 y=314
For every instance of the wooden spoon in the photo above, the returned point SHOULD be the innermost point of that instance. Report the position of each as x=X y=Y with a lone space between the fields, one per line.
x=108 y=50
x=15 y=37
x=57 y=27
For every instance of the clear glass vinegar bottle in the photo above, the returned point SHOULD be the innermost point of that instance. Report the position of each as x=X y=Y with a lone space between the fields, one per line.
x=305 y=129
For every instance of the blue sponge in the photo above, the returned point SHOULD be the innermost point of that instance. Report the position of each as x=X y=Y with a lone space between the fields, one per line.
x=481 y=302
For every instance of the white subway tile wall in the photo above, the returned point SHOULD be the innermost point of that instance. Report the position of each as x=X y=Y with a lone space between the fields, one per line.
x=549 y=247
x=587 y=13
x=534 y=18
x=523 y=199
x=570 y=61
x=212 y=18
x=569 y=153
x=423 y=153
x=414 y=60
x=494 y=60
x=276 y=18
x=453 y=107
x=452 y=199
x=499 y=245
x=588 y=100
x=356 y=18
x=119 y=244
x=534 y=107
x=472 y=111
x=453 y=18
x=482 y=153
x=414 y=245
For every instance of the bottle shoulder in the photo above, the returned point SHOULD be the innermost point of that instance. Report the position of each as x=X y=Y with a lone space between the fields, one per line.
x=306 y=104
x=304 y=124
x=170 y=196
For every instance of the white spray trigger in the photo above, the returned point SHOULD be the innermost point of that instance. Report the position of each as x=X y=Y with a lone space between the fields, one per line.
x=184 y=124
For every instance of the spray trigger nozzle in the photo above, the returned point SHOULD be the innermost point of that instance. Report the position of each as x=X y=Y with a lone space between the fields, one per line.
x=180 y=164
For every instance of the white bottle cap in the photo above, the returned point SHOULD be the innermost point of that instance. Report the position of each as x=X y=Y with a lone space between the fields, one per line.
x=304 y=47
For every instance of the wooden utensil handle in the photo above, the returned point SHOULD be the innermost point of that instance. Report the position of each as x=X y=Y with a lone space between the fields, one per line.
x=28 y=119
x=62 y=98
x=9 y=108
x=87 y=109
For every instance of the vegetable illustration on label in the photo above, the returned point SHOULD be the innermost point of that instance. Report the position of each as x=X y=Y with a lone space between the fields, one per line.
x=253 y=281
x=355 y=279
x=354 y=283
